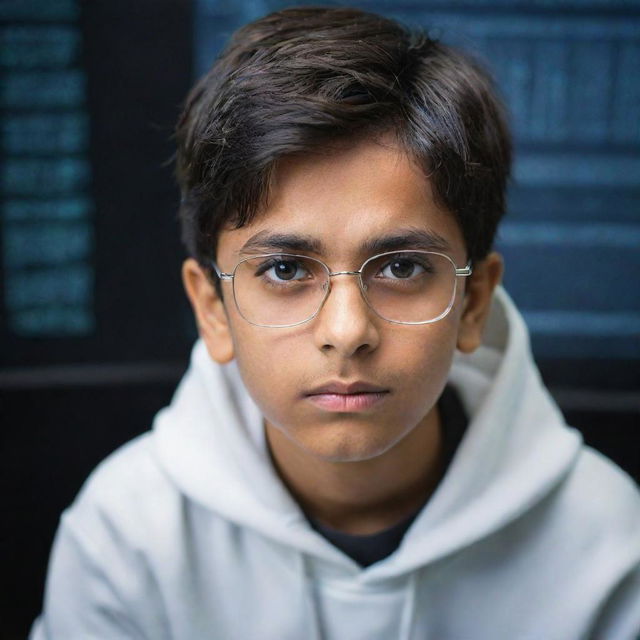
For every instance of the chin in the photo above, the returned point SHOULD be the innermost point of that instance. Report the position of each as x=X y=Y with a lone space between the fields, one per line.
x=347 y=444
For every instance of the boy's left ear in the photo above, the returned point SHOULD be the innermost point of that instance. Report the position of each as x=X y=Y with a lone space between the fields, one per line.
x=487 y=274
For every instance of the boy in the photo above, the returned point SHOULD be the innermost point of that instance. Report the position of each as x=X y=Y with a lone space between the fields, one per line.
x=362 y=447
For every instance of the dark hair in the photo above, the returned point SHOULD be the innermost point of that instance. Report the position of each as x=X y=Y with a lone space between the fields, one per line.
x=301 y=79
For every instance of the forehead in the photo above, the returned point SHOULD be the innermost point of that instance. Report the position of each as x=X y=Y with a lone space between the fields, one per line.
x=345 y=203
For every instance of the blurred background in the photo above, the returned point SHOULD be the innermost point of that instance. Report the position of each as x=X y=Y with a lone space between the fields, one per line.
x=95 y=330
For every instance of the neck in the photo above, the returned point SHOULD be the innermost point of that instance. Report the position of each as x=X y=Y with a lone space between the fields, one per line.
x=366 y=496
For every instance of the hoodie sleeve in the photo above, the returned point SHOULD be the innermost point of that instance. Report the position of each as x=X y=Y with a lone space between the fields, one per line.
x=620 y=617
x=92 y=588
x=100 y=583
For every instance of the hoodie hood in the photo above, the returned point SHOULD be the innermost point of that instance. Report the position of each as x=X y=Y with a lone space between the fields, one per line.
x=516 y=449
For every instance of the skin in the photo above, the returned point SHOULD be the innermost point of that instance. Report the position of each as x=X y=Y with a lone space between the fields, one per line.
x=355 y=472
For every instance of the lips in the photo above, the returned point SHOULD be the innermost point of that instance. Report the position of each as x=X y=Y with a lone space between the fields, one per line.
x=347 y=397
x=345 y=388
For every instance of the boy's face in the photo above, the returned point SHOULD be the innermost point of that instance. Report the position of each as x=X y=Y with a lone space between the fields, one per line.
x=343 y=201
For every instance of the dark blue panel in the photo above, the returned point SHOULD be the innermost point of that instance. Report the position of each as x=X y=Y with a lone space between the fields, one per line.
x=36 y=10
x=45 y=177
x=35 y=244
x=38 y=46
x=52 y=133
x=584 y=273
x=42 y=89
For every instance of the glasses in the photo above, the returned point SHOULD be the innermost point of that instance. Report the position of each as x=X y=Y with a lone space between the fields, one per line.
x=404 y=287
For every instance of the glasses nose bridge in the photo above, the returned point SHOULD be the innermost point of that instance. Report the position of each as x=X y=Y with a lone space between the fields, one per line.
x=344 y=273
x=331 y=274
x=358 y=274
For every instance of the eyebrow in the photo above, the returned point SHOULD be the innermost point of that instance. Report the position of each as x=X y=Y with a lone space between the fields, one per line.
x=410 y=238
x=267 y=241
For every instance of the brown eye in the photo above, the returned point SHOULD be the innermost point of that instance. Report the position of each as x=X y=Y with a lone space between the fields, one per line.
x=285 y=270
x=401 y=268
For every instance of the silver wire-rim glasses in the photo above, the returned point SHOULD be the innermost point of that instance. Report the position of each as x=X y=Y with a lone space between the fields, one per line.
x=269 y=260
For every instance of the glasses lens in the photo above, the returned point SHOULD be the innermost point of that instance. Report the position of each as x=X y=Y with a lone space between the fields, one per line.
x=279 y=290
x=408 y=286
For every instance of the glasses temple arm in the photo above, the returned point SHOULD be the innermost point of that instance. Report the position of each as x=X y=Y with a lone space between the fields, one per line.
x=465 y=271
x=220 y=274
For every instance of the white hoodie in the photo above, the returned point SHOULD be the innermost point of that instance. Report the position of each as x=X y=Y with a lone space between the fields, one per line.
x=187 y=533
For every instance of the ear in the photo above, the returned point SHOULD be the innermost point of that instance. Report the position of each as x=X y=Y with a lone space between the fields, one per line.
x=208 y=308
x=487 y=274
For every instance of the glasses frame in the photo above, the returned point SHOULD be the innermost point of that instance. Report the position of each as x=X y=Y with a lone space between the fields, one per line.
x=462 y=272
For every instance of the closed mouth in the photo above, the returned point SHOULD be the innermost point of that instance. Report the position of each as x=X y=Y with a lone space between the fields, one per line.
x=330 y=400
x=347 y=388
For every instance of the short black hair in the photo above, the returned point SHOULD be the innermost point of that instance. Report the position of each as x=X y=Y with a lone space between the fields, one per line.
x=300 y=79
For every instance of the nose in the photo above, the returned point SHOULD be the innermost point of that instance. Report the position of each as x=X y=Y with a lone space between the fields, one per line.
x=345 y=323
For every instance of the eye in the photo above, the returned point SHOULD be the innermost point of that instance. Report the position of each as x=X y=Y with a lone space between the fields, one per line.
x=401 y=268
x=284 y=270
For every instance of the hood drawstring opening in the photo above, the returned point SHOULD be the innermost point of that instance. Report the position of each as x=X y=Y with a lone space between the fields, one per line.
x=315 y=632
x=409 y=607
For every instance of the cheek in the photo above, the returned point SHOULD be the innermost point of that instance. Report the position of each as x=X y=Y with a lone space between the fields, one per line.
x=267 y=364
x=423 y=361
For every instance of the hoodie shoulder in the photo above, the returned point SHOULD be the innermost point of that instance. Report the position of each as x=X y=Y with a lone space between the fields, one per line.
x=601 y=490
x=604 y=513
x=127 y=466
x=127 y=492
x=596 y=512
x=103 y=570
